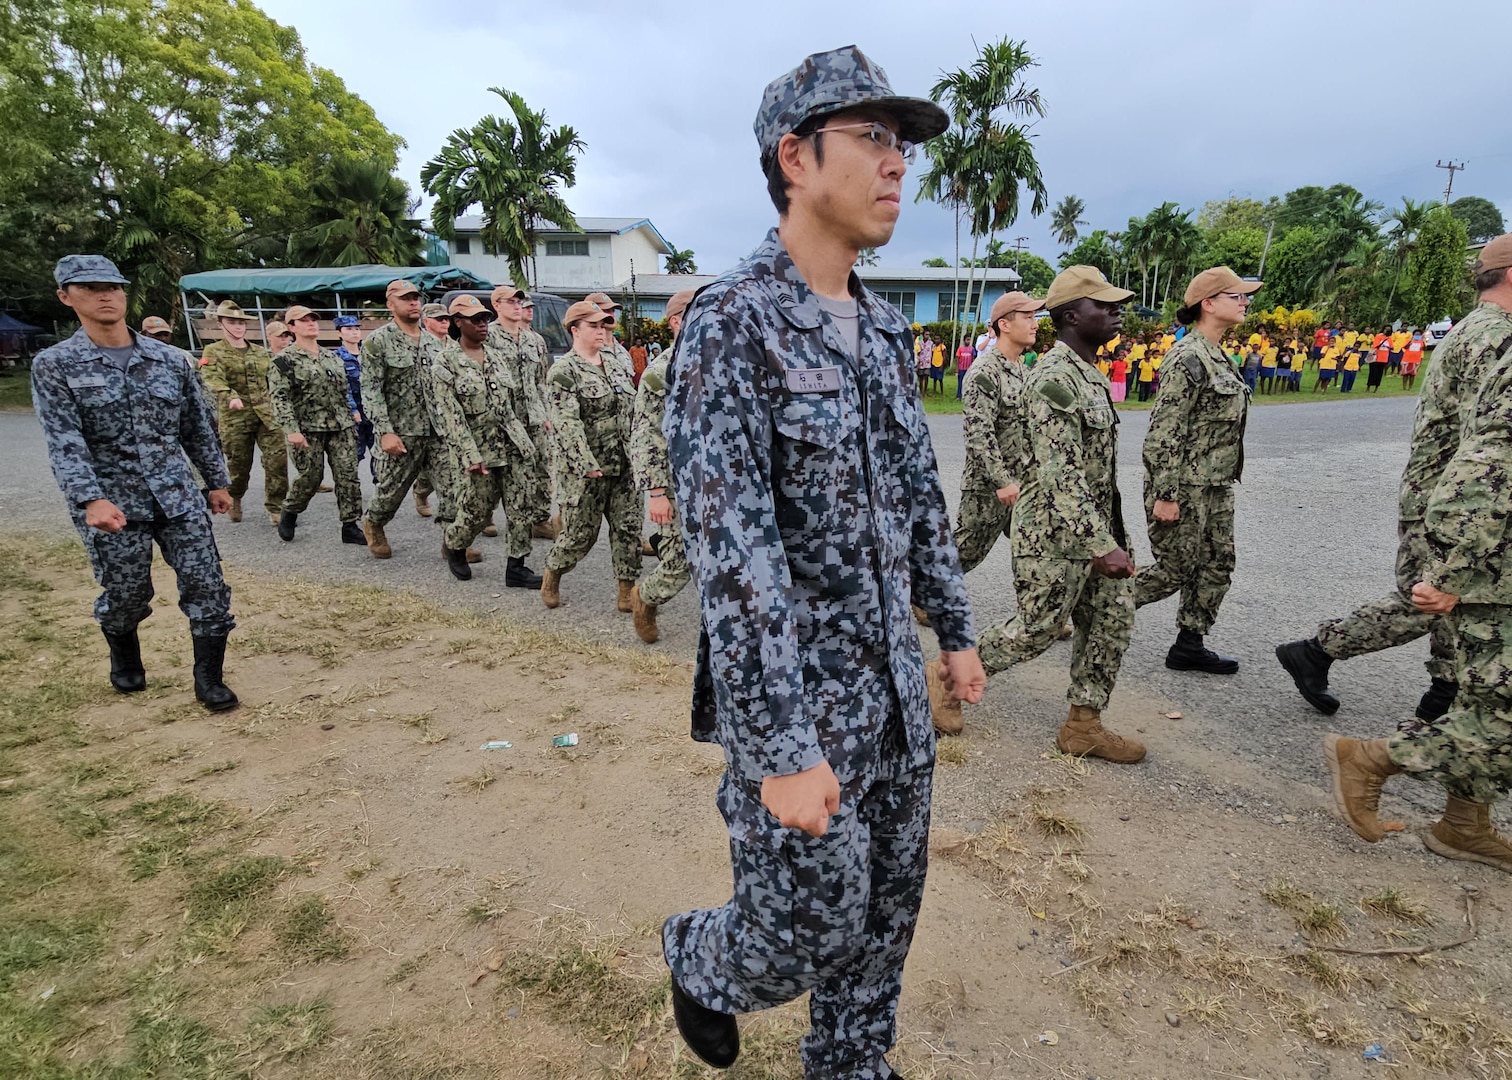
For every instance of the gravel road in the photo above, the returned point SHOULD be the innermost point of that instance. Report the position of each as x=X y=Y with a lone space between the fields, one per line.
x=1316 y=533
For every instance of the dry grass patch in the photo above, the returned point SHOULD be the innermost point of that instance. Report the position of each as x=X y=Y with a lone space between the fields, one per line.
x=1394 y=904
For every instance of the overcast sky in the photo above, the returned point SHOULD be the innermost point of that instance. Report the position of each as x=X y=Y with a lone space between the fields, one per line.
x=1173 y=99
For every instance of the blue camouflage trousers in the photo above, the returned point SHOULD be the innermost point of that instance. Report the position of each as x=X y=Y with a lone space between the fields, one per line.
x=834 y=915
x=122 y=564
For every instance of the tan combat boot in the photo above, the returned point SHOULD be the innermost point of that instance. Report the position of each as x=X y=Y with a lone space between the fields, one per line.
x=273 y=517
x=422 y=505
x=490 y=529
x=474 y=555
x=551 y=588
x=1360 y=769
x=624 y=600
x=944 y=707
x=546 y=530
x=1465 y=832
x=1083 y=735
x=920 y=615
x=378 y=545
x=645 y=616
x=234 y=514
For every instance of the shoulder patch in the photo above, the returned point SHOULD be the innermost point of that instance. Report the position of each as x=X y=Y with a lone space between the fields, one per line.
x=654 y=378
x=1194 y=369
x=561 y=374
x=1056 y=393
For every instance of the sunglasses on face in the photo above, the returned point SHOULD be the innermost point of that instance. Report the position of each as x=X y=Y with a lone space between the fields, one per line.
x=482 y=318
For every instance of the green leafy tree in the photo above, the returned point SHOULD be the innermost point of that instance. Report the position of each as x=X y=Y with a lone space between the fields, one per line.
x=1438 y=274
x=986 y=159
x=1239 y=249
x=1066 y=222
x=1295 y=264
x=681 y=262
x=1224 y=215
x=1401 y=236
x=139 y=112
x=1095 y=250
x=1037 y=273
x=1481 y=218
x=936 y=262
x=514 y=170
x=360 y=213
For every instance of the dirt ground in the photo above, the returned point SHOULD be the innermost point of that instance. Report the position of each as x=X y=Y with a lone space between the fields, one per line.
x=336 y=881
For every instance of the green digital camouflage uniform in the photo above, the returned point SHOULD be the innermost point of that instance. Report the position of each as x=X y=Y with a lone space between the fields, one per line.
x=589 y=406
x=1068 y=514
x=308 y=391
x=229 y=372
x=1460 y=362
x=997 y=446
x=648 y=459
x=398 y=395
x=482 y=415
x=525 y=356
x=1193 y=455
x=1469 y=750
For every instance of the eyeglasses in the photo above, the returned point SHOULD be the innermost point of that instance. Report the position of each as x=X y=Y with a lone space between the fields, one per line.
x=879 y=135
x=1242 y=297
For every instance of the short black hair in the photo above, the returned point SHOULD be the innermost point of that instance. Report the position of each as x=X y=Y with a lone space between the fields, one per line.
x=1490 y=279
x=776 y=180
x=1059 y=313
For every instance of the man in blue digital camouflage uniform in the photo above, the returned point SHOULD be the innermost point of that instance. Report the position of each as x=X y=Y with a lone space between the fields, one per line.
x=124 y=416
x=809 y=497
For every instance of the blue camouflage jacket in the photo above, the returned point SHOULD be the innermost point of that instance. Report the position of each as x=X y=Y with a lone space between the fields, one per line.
x=124 y=435
x=810 y=499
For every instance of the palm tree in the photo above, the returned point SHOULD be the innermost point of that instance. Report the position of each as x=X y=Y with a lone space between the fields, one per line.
x=1066 y=222
x=359 y=213
x=681 y=262
x=981 y=163
x=512 y=169
x=1405 y=224
x=158 y=236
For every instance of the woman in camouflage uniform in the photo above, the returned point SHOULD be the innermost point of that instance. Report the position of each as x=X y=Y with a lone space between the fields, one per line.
x=482 y=412
x=590 y=398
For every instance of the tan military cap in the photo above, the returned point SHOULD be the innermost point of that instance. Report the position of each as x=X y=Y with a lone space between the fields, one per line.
x=467 y=305
x=1010 y=302
x=1219 y=279
x=401 y=287
x=277 y=329
x=228 y=309
x=507 y=290
x=586 y=311
x=679 y=302
x=1083 y=283
x=298 y=311
x=154 y=325
x=434 y=311
x=603 y=301
x=1496 y=255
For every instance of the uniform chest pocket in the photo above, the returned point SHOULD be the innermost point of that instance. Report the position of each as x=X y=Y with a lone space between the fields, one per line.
x=403 y=361
x=1098 y=415
x=92 y=391
x=819 y=419
x=1229 y=399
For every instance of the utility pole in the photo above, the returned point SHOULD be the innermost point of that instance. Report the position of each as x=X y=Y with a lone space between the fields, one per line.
x=1269 y=232
x=1018 y=247
x=1452 y=168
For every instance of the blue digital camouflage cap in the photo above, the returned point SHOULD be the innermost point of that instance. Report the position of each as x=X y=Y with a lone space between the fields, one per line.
x=839 y=79
x=344 y=320
x=81 y=269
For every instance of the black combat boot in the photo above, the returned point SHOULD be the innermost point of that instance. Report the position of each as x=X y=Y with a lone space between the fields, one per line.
x=286 y=524
x=209 y=684
x=1189 y=654
x=519 y=576
x=352 y=534
x=456 y=562
x=126 y=672
x=1307 y=664
x=1436 y=700
x=713 y=1036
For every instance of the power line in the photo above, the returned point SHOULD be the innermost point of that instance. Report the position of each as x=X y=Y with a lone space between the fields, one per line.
x=1453 y=168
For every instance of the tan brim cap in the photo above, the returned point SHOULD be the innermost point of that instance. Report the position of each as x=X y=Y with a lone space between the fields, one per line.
x=298 y=311
x=467 y=304
x=1010 y=302
x=1220 y=279
x=401 y=287
x=1083 y=283
x=275 y=328
x=152 y=324
x=586 y=311
x=602 y=300
x=507 y=291
x=1496 y=255
x=679 y=302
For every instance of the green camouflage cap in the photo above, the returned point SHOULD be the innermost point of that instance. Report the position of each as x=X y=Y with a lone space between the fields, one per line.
x=839 y=79
x=434 y=311
x=84 y=269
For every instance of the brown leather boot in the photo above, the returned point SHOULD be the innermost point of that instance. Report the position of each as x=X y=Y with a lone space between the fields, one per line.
x=234 y=514
x=378 y=545
x=422 y=505
x=273 y=517
x=1465 y=832
x=920 y=615
x=1360 y=769
x=551 y=588
x=543 y=530
x=944 y=707
x=645 y=616
x=474 y=555
x=490 y=529
x=1083 y=735
x=623 y=600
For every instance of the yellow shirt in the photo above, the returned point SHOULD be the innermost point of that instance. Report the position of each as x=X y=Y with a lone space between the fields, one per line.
x=1146 y=371
x=1167 y=342
x=1137 y=353
x=1329 y=361
x=1399 y=341
x=1155 y=363
x=1255 y=339
x=1298 y=358
x=1269 y=359
x=1350 y=337
x=1103 y=366
x=1352 y=362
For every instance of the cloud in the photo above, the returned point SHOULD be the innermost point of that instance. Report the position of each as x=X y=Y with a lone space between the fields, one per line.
x=1180 y=100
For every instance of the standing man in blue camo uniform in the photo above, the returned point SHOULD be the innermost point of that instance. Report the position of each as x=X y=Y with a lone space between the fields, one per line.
x=810 y=500
x=349 y=351
x=124 y=417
